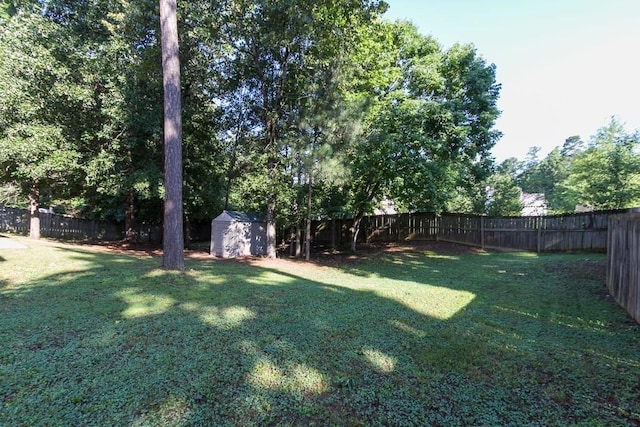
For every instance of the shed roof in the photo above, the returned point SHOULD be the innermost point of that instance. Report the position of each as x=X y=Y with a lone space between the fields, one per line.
x=239 y=216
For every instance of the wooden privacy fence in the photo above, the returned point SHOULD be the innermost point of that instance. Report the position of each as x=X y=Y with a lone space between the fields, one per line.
x=583 y=231
x=378 y=228
x=623 y=262
x=571 y=232
x=14 y=220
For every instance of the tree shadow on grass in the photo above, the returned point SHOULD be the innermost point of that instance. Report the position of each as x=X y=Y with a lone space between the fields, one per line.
x=566 y=336
x=117 y=341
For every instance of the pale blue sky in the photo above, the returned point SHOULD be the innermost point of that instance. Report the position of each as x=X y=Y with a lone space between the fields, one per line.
x=565 y=66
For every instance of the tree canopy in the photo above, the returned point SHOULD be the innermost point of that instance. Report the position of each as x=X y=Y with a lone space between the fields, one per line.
x=294 y=108
x=41 y=147
x=428 y=119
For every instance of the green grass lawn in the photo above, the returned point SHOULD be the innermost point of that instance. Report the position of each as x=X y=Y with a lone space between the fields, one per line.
x=401 y=338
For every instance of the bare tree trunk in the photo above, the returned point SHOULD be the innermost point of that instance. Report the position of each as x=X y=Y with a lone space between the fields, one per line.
x=173 y=242
x=355 y=229
x=129 y=218
x=271 y=227
x=298 y=239
x=333 y=234
x=292 y=244
x=227 y=191
x=187 y=231
x=299 y=215
x=232 y=165
x=307 y=237
x=34 y=212
x=272 y=164
x=294 y=247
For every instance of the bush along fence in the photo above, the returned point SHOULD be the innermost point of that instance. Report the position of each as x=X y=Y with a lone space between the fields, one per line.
x=16 y=221
x=623 y=261
x=572 y=232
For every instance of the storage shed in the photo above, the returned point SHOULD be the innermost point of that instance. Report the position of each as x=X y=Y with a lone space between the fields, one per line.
x=235 y=234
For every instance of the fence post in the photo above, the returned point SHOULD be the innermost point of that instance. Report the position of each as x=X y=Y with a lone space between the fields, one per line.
x=539 y=236
x=482 y=232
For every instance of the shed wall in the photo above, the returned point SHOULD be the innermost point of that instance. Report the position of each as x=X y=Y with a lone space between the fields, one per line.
x=231 y=239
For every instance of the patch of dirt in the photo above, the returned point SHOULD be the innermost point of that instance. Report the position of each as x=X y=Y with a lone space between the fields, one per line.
x=139 y=249
x=330 y=257
x=323 y=257
x=436 y=247
x=151 y=249
x=320 y=256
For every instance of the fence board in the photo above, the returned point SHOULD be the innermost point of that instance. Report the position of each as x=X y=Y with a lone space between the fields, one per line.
x=623 y=262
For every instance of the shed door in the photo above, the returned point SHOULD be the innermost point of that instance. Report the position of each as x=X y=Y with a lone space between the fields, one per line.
x=217 y=238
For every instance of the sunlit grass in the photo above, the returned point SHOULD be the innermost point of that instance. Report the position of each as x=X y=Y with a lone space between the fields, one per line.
x=139 y=303
x=379 y=360
x=413 y=338
x=297 y=379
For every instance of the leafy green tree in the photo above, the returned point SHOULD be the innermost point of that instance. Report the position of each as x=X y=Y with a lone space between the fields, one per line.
x=545 y=175
x=5 y=10
x=124 y=161
x=602 y=175
x=275 y=48
x=122 y=141
x=607 y=174
x=542 y=176
x=532 y=179
x=497 y=195
x=41 y=93
x=11 y=196
x=429 y=125
x=322 y=132
x=291 y=96
x=572 y=146
x=504 y=196
x=115 y=50
x=553 y=170
x=512 y=167
x=205 y=158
